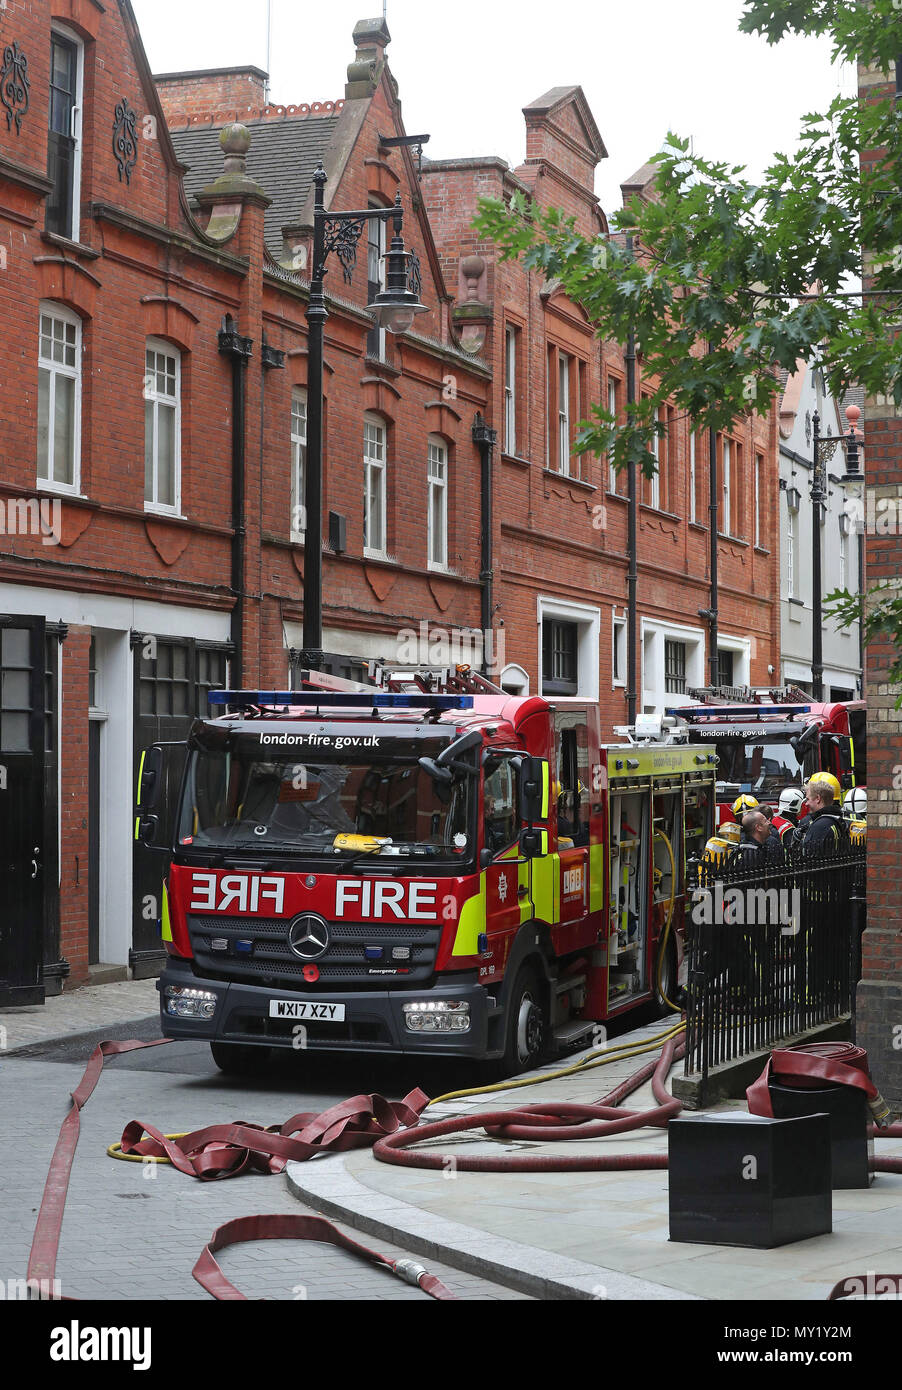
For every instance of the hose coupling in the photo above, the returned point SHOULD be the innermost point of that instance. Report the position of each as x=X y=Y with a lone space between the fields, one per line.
x=409 y=1271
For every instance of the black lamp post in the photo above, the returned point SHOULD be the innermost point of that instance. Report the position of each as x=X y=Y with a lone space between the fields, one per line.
x=394 y=309
x=824 y=449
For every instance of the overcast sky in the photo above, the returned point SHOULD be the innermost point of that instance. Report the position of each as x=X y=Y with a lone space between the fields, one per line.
x=467 y=69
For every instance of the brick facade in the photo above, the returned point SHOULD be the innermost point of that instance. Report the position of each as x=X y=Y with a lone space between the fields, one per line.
x=879 y=1017
x=151 y=263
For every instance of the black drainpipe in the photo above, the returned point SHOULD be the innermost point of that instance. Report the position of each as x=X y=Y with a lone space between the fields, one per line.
x=486 y=438
x=239 y=349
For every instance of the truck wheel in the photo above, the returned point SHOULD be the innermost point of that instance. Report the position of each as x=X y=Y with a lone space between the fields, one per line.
x=235 y=1059
x=669 y=986
x=527 y=1025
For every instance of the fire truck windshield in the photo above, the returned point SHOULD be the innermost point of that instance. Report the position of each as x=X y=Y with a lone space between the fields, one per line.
x=348 y=804
x=762 y=767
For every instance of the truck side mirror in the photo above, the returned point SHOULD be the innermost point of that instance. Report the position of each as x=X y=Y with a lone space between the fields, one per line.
x=533 y=843
x=535 y=789
x=151 y=786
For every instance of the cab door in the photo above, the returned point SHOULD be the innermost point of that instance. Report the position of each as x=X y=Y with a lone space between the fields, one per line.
x=572 y=788
x=508 y=892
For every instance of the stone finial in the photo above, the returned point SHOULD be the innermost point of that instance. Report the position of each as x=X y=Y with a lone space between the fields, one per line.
x=472 y=269
x=235 y=140
x=371 y=38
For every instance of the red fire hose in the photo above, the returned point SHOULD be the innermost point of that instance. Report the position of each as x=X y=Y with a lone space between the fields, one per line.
x=812 y=1065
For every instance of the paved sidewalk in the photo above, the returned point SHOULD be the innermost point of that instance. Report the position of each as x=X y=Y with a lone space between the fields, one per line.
x=591 y=1235
x=78 y=1011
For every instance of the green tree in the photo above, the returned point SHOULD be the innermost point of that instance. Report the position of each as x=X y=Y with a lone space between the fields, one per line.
x=714 y=273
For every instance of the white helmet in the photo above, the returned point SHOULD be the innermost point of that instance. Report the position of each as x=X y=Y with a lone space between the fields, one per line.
x=792 y=800
x=855 y=804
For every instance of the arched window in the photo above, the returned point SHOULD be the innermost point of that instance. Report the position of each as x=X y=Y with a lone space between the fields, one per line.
x=59 y=398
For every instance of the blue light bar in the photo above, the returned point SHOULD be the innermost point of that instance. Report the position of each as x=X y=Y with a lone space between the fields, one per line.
x=692 y=712
x=318 y=699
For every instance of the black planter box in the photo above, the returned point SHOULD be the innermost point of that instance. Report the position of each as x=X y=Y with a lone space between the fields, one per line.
x=851 y=1148
x=749 y=1180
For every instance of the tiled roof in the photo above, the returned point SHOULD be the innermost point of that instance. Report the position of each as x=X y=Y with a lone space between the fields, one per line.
x=282 y=159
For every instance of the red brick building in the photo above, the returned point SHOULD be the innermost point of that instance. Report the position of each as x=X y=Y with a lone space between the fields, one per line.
x=879 y=1015
x=561 y=519
x=156 y=383
x=154 y=258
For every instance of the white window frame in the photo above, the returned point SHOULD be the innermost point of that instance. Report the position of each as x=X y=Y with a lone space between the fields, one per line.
x=655 y=499
x=588 y=621
x=50 y=308
x=511 y=334
x=726 y=500
x=653 y=636
x=563 y=411
x=693 y=452
x=78 y=125
x=759 y=468
x=792 y=538
x=378 y=224
x=741 y=648
x=375 y=467
x=619 y=653
x=167 y=349
x=298 y=466
x=612 y=410
x=437 y=503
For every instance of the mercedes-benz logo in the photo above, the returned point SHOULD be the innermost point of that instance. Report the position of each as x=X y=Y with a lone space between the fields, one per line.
x=308 y=936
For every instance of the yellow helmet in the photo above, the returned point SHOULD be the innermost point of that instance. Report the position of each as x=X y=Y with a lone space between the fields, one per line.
x=730 y=832
x=742 y=804
x=858 y=832
x=826 y=779
x=716 y=850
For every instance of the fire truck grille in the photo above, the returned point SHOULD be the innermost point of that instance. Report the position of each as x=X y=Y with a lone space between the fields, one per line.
x=271 y=959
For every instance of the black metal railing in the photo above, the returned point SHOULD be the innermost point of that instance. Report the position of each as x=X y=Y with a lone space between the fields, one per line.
x=772 y=951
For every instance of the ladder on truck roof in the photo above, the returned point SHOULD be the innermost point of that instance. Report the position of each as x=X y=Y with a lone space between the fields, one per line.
x=423 y=680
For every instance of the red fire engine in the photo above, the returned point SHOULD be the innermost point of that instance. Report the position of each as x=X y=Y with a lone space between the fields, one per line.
x=432 y=866
x=767 y=740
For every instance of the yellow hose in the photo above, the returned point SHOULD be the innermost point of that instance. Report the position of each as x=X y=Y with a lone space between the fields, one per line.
x=599 y=1058
x=666 y=936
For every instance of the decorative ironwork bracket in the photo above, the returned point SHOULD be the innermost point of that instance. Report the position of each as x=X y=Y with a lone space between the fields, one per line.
x=14 y=85
x=125 y=140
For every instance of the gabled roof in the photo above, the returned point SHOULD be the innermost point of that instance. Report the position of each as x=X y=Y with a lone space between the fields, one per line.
x=557 y=97
x=282 y=158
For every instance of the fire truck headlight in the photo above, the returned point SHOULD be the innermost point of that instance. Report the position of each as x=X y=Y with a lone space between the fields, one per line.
x=438 y=1016
x=182 y=1002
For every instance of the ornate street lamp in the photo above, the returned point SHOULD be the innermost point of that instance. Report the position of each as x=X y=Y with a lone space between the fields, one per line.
x=824 y=449
x=395 y=310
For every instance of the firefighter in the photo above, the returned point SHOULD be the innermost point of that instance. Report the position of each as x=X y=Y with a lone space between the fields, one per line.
x=775 y=836
x=758 y=848
x=729 y=831
x=792 y=799
x=823 y=828
x=855 y=814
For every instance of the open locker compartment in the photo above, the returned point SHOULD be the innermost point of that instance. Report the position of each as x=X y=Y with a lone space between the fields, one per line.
x=628 y=929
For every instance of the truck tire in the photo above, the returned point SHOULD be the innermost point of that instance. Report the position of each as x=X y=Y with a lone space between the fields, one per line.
x=236 y=1059
x=526 y=1027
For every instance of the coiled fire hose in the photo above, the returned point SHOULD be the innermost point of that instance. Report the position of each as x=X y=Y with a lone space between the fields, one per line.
x=222 y=1151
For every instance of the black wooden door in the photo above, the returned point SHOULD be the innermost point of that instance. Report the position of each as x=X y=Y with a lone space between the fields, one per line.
x=172 y=680
x=95 y=727
x=22 y=809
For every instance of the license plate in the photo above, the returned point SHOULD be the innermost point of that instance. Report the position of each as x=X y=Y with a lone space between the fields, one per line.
x=322 y=1013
